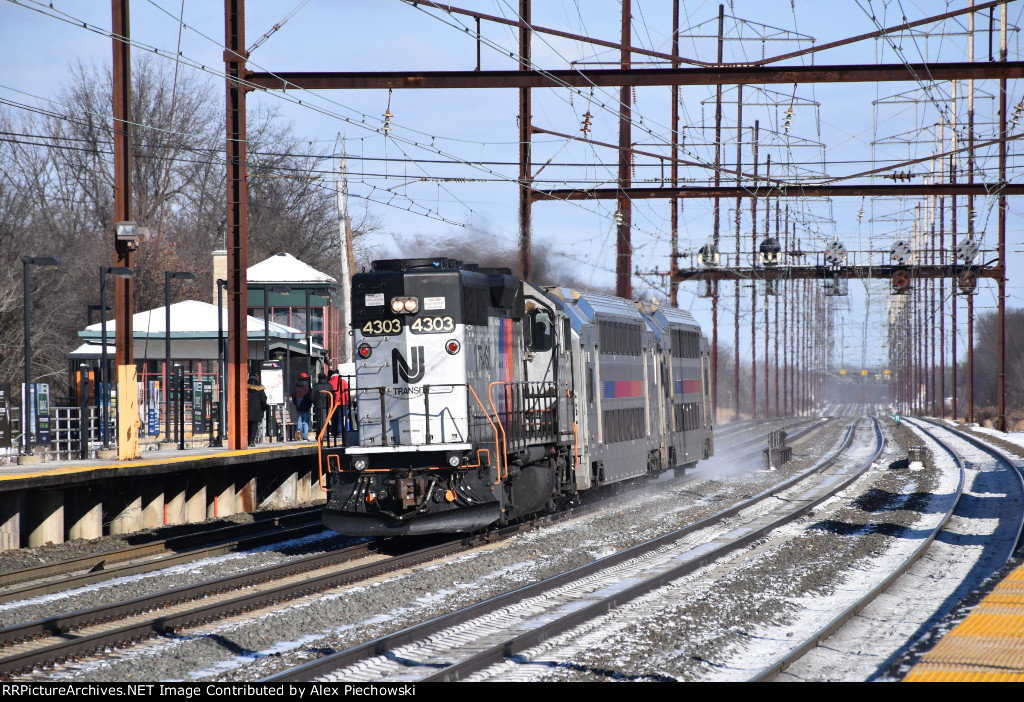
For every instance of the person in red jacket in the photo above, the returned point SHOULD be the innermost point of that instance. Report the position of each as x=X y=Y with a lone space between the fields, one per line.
x=340 y=400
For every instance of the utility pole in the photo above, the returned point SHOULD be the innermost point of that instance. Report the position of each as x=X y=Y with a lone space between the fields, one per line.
x=347 y=263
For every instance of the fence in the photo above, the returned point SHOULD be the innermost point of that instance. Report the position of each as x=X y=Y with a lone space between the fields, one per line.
x=191 y=426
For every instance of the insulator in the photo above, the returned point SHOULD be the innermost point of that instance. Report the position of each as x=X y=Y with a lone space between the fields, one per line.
x=586 y=122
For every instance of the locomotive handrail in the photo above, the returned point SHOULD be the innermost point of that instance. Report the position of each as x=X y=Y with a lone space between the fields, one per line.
x=516 y=406
x=497 y=449
x=575 y=436
x=504 y=438
x=320 y=439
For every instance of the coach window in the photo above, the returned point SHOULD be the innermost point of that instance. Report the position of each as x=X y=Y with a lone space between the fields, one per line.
x=540 y=331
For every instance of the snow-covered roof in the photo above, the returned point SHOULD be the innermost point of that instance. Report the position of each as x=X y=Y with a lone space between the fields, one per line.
x=190 y=319
x=88 y=350
x=285 y=268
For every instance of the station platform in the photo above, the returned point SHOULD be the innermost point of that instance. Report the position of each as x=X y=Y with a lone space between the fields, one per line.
x=60 y=501
x=70 y=472
x=986 y=646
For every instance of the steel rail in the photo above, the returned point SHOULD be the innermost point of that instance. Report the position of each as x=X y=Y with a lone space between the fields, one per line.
x=160 y=624
x=389 y=642
x=795 y=435
x=857 y=607
x=174 y=543
x=85 y=643
x=519 y=644
x=259 y=538
x=991 y=449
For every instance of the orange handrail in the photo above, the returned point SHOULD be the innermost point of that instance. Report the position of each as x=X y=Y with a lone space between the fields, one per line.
x=504 y=438
x=497 y=449
x=320 y=438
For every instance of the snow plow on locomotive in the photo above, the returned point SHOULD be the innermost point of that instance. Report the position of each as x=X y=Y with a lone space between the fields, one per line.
x=481 y=398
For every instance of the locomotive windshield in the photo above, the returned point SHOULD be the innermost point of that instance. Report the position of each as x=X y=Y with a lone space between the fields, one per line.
x=539 y=331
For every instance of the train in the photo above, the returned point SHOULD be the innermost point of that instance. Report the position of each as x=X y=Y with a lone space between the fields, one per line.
x=481 y=398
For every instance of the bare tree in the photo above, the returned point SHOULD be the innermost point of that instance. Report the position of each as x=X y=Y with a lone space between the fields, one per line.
x=56 y=198
x=986 y=344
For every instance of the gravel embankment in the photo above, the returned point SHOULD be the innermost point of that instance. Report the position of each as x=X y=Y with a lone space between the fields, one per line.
x=254 y=646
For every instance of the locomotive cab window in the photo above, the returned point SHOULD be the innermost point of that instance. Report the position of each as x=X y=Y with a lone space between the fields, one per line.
x=539 y=331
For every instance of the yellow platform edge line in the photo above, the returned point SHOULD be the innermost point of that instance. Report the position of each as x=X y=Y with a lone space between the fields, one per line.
x=987 y=646
x=136 y=463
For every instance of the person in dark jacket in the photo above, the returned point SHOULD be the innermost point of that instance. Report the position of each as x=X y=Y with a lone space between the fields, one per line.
x=257 y=410
x=323 y=400
x=303 y=402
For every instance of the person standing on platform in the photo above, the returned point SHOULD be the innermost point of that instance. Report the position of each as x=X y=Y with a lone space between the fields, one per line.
x=340 y=400
x=257 y=410
x=323 y=400
x=303 y=403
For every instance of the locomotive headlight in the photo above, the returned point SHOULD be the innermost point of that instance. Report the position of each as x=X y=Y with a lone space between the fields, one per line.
x=364 y=350
x=454 y=460
x=405 y=305
x=360 y=463
x=452 y=347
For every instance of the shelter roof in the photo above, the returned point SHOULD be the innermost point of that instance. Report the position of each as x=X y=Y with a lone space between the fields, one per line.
x=190 y=319
x=285 y=268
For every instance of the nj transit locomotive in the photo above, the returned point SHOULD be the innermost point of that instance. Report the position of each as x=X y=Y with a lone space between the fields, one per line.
x=482 y=398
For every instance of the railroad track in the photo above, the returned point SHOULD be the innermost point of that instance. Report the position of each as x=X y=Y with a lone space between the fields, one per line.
x=65 y=575
x=952 y=443
x=462 y=643
x=154 y=555
x=62 y=638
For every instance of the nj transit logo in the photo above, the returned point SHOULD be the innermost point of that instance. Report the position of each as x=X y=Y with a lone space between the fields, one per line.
x=401 y=367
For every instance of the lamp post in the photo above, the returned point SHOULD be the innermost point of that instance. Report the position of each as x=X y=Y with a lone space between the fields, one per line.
x=221 y=379
x=120 y=272
x=42 y=262
x=90 y=309
x=168 y=277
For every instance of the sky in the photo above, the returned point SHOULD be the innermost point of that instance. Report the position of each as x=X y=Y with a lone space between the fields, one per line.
x=473 y=197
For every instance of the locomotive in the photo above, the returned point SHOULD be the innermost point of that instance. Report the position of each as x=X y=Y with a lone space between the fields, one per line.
x=481 y=398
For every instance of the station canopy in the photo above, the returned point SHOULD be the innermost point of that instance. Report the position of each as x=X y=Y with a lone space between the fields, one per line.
x=193 y=334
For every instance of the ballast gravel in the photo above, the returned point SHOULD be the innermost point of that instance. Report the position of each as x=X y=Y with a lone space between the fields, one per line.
x=687 y=641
